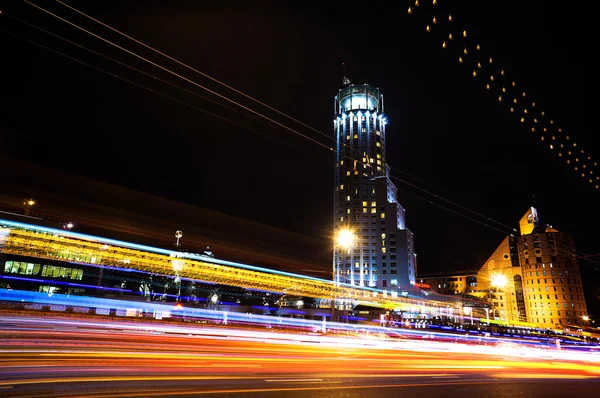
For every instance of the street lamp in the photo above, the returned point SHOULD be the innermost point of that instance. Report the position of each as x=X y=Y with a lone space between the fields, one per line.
x=178 y=265
x=68 y=226
x=497 y=281
x=345 y=239
x=28 y=203
x=469 y=311
x=178 y=235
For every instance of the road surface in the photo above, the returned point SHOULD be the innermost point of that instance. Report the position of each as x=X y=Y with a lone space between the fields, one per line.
x=70 y=357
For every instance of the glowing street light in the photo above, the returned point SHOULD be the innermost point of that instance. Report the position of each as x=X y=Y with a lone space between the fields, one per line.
x=28 y=204
x=585 y=318
x=469 y=311
x=498 y=281
x=345 y=238
x=68 y=226
x=178 y=235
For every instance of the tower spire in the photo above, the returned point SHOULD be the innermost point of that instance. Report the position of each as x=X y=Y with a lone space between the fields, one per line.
x=345 y=80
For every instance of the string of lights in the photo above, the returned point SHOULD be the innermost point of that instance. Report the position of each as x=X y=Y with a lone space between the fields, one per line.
x=469 y=52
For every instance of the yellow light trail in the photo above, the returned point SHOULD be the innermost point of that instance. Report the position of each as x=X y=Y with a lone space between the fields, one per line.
x=39 y=243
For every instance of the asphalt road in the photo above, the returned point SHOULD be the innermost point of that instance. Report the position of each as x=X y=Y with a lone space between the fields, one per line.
x=69 y=357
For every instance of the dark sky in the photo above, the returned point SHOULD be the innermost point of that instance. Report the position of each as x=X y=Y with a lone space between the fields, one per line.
x=444 y=128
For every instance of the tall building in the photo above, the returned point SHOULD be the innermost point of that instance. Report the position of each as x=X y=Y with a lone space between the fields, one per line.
x=365 y=200
x=532 y=278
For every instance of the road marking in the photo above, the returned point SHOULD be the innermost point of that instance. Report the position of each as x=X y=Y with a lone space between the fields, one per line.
x=281 y=389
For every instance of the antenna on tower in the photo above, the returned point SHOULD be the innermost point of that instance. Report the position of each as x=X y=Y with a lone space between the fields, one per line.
x=345 y=80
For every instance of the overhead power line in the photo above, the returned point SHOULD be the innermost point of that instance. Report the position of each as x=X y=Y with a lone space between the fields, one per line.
x=236 y=103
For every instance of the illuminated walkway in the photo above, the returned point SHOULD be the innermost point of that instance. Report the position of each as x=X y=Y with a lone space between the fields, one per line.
x=54 y=244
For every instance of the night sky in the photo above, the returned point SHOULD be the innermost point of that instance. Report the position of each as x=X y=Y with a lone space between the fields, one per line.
x=451 y=136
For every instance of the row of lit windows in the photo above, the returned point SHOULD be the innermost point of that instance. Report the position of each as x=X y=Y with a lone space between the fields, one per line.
x=562 y=289
x=362 y=130
x=371 y=160
x=535 y=304
x=356 y=172
x=569 y=281
x=365 y=217
x=356 y=189
x=556 y=304
x=537 y=273
x=567 y=313
x=49 y=271
x=357 y=265
x=532 y=297
x=355 y=136
x=365 y=272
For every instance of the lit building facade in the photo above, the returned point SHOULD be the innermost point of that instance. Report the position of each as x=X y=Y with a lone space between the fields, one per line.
x=535 y=277
x=455 y=283
x=365 y=199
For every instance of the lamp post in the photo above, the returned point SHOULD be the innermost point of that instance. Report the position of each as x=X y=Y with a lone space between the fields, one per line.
x=28 y=204
x=344 y=239
x=469 y=311
x=497 y=281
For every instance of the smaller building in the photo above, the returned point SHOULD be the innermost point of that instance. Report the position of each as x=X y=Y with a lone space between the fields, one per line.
x=531 y=279
x=454 y=283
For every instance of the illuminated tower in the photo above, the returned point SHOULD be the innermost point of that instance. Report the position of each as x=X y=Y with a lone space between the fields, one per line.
x=365 y=201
